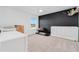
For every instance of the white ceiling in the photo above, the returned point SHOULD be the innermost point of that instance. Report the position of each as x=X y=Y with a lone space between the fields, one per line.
x=46 y=9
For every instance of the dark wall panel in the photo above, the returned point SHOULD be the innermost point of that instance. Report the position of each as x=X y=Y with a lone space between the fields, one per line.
x=58 y=19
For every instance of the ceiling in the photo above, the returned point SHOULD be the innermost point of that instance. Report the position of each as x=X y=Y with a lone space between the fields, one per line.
x=45 y=9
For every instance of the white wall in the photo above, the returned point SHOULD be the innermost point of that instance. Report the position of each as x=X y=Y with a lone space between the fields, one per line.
x=9 y=16
x=65 y=32
x=78 y=27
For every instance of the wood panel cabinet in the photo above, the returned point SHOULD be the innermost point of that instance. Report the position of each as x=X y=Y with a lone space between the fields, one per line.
x=20 y=28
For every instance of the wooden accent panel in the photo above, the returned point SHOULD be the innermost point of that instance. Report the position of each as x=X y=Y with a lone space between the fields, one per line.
x=20 y=28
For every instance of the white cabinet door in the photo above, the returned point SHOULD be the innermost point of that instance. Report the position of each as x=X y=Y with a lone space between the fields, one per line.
x=65 y=32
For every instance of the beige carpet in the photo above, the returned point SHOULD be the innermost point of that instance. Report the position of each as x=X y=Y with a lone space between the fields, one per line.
x=39 y=43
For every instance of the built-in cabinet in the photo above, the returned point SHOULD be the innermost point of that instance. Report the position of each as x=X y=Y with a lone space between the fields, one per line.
x=67 y=32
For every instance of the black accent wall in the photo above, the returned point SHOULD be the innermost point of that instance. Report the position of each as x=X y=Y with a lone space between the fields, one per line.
x=58 y=19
